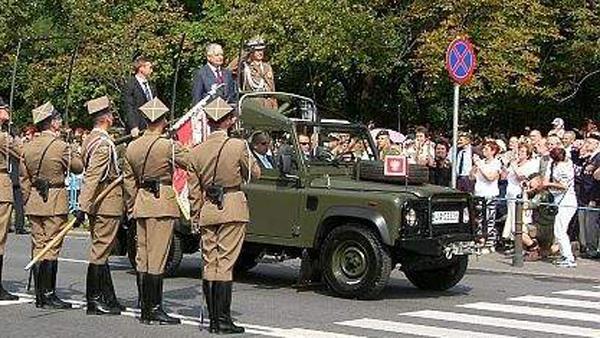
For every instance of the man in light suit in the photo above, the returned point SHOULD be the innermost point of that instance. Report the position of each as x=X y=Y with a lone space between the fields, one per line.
x=260 y=149
x=213 y=74
x=136 y=93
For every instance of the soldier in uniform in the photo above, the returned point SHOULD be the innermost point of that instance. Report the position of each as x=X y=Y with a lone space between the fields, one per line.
x=218 y=168
x=8 y=148
x=257 y=73
x=101 y=168
x=46 y=161
x=148 y=169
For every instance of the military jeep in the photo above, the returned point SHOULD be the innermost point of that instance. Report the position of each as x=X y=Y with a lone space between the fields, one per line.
x=335 y=208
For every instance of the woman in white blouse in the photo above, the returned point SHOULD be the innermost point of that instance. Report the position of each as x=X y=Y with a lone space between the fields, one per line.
x=516 y=174
x=486 y=173
x=560 y=183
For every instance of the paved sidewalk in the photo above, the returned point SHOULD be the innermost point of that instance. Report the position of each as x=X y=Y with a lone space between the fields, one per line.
x=587 y=269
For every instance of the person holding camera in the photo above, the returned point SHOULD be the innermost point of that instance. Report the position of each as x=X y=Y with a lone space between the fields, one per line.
x=219 y=167
x=148 y=168
x=559 y=181
x=46 y=162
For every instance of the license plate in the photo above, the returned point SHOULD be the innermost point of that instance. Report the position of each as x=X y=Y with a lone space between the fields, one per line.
x=445 y=217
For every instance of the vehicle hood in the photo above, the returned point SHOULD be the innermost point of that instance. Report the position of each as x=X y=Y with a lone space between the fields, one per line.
x=348 y=184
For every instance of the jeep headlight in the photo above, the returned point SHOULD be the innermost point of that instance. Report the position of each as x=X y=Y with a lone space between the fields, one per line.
x=410 y=217
x=466 y=215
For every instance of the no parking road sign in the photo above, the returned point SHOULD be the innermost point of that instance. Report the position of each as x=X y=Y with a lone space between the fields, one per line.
x=461 y=60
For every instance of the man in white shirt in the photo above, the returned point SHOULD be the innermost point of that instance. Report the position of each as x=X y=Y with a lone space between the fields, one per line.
x=464 y=163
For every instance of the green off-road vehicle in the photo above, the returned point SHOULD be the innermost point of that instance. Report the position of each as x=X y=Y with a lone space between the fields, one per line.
x=328 y=202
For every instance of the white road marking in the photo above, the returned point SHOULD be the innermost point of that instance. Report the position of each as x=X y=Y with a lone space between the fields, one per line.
x=533 y=311
x=22 y=300
x=505 y=323
x=558 y=301
x=82 y=261
x=416 y=329
x=250 y=328
x=581 y=293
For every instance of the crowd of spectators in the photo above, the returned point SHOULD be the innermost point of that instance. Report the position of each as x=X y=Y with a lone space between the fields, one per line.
x=558 y=167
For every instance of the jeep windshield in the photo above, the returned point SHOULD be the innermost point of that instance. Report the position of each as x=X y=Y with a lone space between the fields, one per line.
x=334 y=142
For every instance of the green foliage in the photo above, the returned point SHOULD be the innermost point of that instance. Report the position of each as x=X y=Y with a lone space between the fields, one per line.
x=359 y=59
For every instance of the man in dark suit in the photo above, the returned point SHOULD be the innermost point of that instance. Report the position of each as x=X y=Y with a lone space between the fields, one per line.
x=213 y=74
x=137 y=92
x=260 y=149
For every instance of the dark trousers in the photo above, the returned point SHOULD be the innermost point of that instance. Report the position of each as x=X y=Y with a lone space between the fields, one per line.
x=465 y=184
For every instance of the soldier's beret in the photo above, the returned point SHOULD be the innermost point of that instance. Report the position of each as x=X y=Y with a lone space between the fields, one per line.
x=43 y=112
x=154 y=109
x=217 y=109
x=97 y=105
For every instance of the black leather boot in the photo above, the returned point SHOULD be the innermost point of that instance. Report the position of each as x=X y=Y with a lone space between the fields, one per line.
x=4 y=295
x=50 y=299
x=144 y=299
x=108 y=289
x=154 y=285
x=226 y=325
x=139 y=281
x=208 y=290
x=96 y=303
x=38 y=281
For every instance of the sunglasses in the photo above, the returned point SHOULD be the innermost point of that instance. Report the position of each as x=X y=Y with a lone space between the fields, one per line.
x=304 y=143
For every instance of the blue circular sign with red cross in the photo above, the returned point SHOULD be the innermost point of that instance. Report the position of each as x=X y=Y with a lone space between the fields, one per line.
x=461 y=60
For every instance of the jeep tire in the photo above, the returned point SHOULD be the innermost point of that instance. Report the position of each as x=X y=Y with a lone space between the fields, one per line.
x=173 y=259
x=354 y=262
x=439 y=279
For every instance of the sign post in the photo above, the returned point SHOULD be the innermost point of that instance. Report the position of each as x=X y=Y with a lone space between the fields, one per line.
x=460 y=63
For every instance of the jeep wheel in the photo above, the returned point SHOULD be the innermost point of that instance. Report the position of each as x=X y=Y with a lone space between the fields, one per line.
x=173 y=259
x=355 y=264
x=439 y=279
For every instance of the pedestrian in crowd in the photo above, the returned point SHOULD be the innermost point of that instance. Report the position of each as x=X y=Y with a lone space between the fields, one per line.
x=542 y=153
x=589 y=126
x=464 y=159
x=46 y=161
x=213 y=74
x=148 y=167
x=101 y=168
x=558 y=128
x=440 y=172
x=137 y=92
x=261 y=150
x=590 y=197
x=554 y=141
x=535 y=136
x=424 y=149
x=219 y=166
x=517 y=174
x=559 y=181
x=568 y=140
x=9 y=147
x=486 y=173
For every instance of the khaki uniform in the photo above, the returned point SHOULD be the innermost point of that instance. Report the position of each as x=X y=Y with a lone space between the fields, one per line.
x=155 y=216
x=101 y=168
x=259 y=77
x=47 y=218
x=223 y=230
x=6 y=187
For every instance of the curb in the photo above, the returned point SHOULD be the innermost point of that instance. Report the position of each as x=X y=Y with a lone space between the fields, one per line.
x=537 y=274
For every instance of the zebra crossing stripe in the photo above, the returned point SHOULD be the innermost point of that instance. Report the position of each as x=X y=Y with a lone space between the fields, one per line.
x=556 y=329
x=581 y=293
x=416 y=329
x=558 y=301
x=533 y=311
